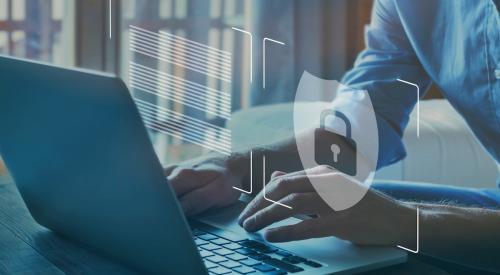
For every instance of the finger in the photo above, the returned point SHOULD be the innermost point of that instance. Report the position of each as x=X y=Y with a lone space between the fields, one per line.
x=184 y=180
x=277 y=189
x=317 y=170
x=199 y=200
x=283 y=185
x=277 y=174
x=306 y=229
x=301 y=203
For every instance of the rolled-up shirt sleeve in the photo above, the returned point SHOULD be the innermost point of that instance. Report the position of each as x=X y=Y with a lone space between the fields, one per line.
x=388 y=56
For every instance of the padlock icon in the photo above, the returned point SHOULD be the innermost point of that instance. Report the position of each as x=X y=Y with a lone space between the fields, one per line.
x=341 y=150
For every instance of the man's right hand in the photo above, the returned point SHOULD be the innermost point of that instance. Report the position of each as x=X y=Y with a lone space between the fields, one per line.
x=207 y=182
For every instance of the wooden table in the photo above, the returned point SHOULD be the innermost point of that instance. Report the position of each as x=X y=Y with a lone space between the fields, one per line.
x=28 y=248
x=3 y=170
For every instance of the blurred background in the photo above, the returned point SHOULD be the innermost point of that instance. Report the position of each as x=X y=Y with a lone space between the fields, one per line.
x=321 y=36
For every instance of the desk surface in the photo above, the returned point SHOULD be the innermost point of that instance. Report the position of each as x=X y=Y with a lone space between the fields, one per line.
x=28 y=248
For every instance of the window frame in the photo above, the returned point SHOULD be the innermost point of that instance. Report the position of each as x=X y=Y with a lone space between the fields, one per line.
x=94 y=47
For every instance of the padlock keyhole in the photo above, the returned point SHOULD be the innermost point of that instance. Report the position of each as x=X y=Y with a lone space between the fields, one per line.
x=336 y=151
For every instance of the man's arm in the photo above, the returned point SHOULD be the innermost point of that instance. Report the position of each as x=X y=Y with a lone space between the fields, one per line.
x=466 y=236
x=387 y=57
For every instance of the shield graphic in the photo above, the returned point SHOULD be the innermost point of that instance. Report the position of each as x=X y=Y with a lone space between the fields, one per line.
x=316 y=97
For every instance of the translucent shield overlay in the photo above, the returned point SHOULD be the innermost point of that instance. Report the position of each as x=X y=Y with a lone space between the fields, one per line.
x=314 y=95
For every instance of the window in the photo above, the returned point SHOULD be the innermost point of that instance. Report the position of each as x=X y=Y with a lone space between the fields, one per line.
x=37 y=29
x=77 y=33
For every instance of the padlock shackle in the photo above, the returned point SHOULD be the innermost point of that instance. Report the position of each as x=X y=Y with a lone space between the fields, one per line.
x=338 y=114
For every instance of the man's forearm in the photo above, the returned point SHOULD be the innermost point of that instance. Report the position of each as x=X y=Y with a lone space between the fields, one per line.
x=467 y=236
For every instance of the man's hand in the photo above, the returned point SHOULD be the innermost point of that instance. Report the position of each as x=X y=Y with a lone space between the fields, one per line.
x=375 y=220
x=205 y=183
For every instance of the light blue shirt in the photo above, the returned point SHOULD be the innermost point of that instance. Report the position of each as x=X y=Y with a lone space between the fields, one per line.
x=455 y=44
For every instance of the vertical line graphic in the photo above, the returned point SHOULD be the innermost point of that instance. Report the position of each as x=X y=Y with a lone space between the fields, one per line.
x=251 y=177
x=110 y=7
x=418 y=237
x=264 y=58
x=264 y=185
x=251 y=50
x=418 y=103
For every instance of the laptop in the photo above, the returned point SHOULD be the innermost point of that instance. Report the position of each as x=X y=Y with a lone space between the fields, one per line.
x=75 y=144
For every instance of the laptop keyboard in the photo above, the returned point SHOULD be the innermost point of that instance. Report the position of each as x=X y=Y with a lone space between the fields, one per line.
x=226 y=255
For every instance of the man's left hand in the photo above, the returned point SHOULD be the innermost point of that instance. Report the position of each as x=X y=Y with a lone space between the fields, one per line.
x=376 y=220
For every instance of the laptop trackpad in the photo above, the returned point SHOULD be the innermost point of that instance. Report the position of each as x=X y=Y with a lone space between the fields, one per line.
x=342 y=254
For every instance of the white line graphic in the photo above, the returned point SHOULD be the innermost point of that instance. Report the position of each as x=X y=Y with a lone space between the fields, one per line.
x=181 y=126
x=154 y=53
x=251 y=177
x=187 y=127
x=156 y=41
x=194 y=123
x=193 y=55
x=161 y=57
x=251 y=51
x=418 y=103
x=186 y=42
x=136 y=84
x=146 y=82
x=167 y=131
x=183 y=81
x=418 y=237
x=223 y=98
x=204 y=50
x=187 y=134
x=197 y=138
x=202 y=141
x=178 y=56
x=110 y=17
x=167 y=81
x=264 y=185
x=197 y=45
x=160 y=90
x=264 y=58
